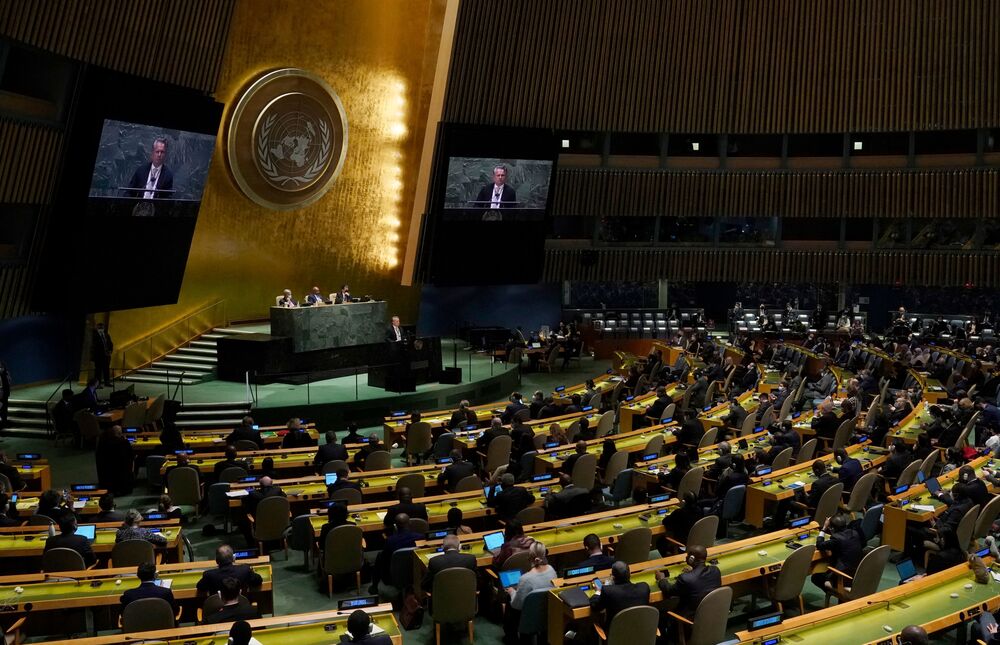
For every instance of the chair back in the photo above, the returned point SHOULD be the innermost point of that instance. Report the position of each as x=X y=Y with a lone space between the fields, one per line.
x=843 y=433
x=621 y=487
x=909 y=474
x=861 y=493
x=419 y=525
x=155 y=410
x=539 y=441
x=966 y=526
x=710 y=393
x=869 y=572
x=655 y=444
x=828 y=503
x=786 y=408
x=668 y=412
x=783 y=459
x=88 y=424
x=703 y=532
x=273 y=517
x=595 y=401
x=132 y=553
x=413 y=481
x=418 y=438
x=153 y=465
x=245 y=445
x=732 y=503
x=605 y=424
x=527 y=464
x=147 y=614
x=401 y=568
x=498 y=452
x=442 y=445
x=185 y=490
x=793 y=574
x=617 y=463
x=927 y=465
x=349 y=495
x=532 y=515
x=218 y=502
x=634 y=625
x=5 y=485
x=454 y=594
x=807 y=451
x=709 y=437
x=469 y=483
x=768 y=417
x=691 y=482
x=986 y=518
x=749 y=423
x=514 y=357
x=520 y=561
x=534 y=613
x=711 y=618
x=232 y=474
x=572 y=431
x=634 y=545
x=870 y=522
x=61 y=559
x=40 y=520
x=334 y=465
x=303 y=535
x=342 y=552
x=379 y=460
x=135 y=415
x=585 y=471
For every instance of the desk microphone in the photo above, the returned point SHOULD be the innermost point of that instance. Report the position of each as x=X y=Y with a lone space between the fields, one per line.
x=880 y=602
x=56 y=578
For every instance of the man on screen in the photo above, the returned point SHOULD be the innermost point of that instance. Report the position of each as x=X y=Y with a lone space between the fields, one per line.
x=497 y=195
x=153 y=177
x=395 y=333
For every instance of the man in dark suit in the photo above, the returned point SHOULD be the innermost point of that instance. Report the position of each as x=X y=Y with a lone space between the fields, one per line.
x=401 y=538
x=395 y=333
x=233 y=606
x=693 y=585
x=698 y=390
x=690 y=432
x=850 y=469
x=462 y=416
x=296 y=437
x=619 y=595
x=842 y=543
x=826 y=422
x=267 y=488
x=550 y=409
x=452 y=556
x=68 y=539
x=146 y=572
x=229 y=462
x=516 y=405
x=511 y=499
x=404 y=505
x=343 y=481
x=372 y=445
x=567 y=466
x=655 y=410
x=101 y=347
x=343 y=296
x=329 y=451
x=495 y=430
x=458 y=470
x=211 y=579
x=315 y=297
x=496 y=195
x=86 y=399
x=359 y=627
x=150 y=180
x=245 y=432
x=596 y=557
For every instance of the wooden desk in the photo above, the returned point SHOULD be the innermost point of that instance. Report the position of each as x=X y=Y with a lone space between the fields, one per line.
x=287 y=459
x=83 y=503
x=553 y=458
x=712 y=416
x=212 y=440
x=926 y=602
x=636 y=407
x=900 y=509
x=647 y=472
x=292 y=629
x=36 y=474
x=112 y=416
x=738 y=562
x=911 y=426
x=604 y=383
x=759 y=494
x=394 y=425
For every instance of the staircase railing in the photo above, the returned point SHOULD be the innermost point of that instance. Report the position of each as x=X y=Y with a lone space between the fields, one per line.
x=157 y=345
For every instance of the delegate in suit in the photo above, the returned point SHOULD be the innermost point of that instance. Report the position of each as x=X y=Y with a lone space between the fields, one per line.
x=152 y=180
x=496 y=195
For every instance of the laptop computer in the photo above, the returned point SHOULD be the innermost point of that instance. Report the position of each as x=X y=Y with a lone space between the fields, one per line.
x=906 y=570
x=88 y=531
x=493 y=541
x=510 y=578
x=933 y=487
x=331 y=479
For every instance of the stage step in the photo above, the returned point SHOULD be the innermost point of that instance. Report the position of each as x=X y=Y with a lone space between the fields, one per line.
x=140 y=377
x=26 y=433
x=27 y=419
x=233 y=330
x=193 y=358
x=201 y=351
x=189 y=414
x=207 y=344
x=176 y=364
x=20 y=411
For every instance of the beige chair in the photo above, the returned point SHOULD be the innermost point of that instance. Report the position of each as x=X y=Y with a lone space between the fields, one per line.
x=498 y=453
x=378 y=460
x=40 y=520
x=535 y=515
x=154 y=413
x=514 y=357
x=631 y=626
x=214 y=603
x=5 y=485
x=184 y=487
x=782 y=460
x=963 y=533
x=786 y=408
x=585 y=471
x=272 y=518
x=520 y=561
x=842 y=435
x=617 y=463
x=668 y=412
x=419 y=525
x=147 y=614
x=132 y=553
x=861 y=493
x=792 y=577
x=709 y=438
x=654 y=445
x=828 y=503
x=413 y=481
x=927 y=465
x=605 y=424
x=350 y=495
x=986 y=518
x=749 y=423
x=90 y=429
x=418 y=441
x=549 y=361
x=634 y=545
x=807 y=451
x=572 y=431
x=710 y=619
x=245 y=445
x=454 y=600
x=865 y=580
x=595 y=401
x=909 y=474
x=469 y=484
x=61 y=559
x=134 y=415
x=690 y=482
x=539 y=441
x=232 y=474
x=335 y=465
x=343 y=553
x=702 y=533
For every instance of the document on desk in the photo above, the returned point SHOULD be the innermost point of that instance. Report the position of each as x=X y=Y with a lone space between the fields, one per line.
x=237 y=493
x=923 y=508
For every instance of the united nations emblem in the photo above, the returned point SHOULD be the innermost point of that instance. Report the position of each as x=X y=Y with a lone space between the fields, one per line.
x=286 y=139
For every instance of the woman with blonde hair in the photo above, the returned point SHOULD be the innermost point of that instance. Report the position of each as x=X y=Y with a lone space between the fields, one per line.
x=539 y=576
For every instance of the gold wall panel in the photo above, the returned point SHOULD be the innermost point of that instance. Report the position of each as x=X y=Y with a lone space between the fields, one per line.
x=379 y=57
